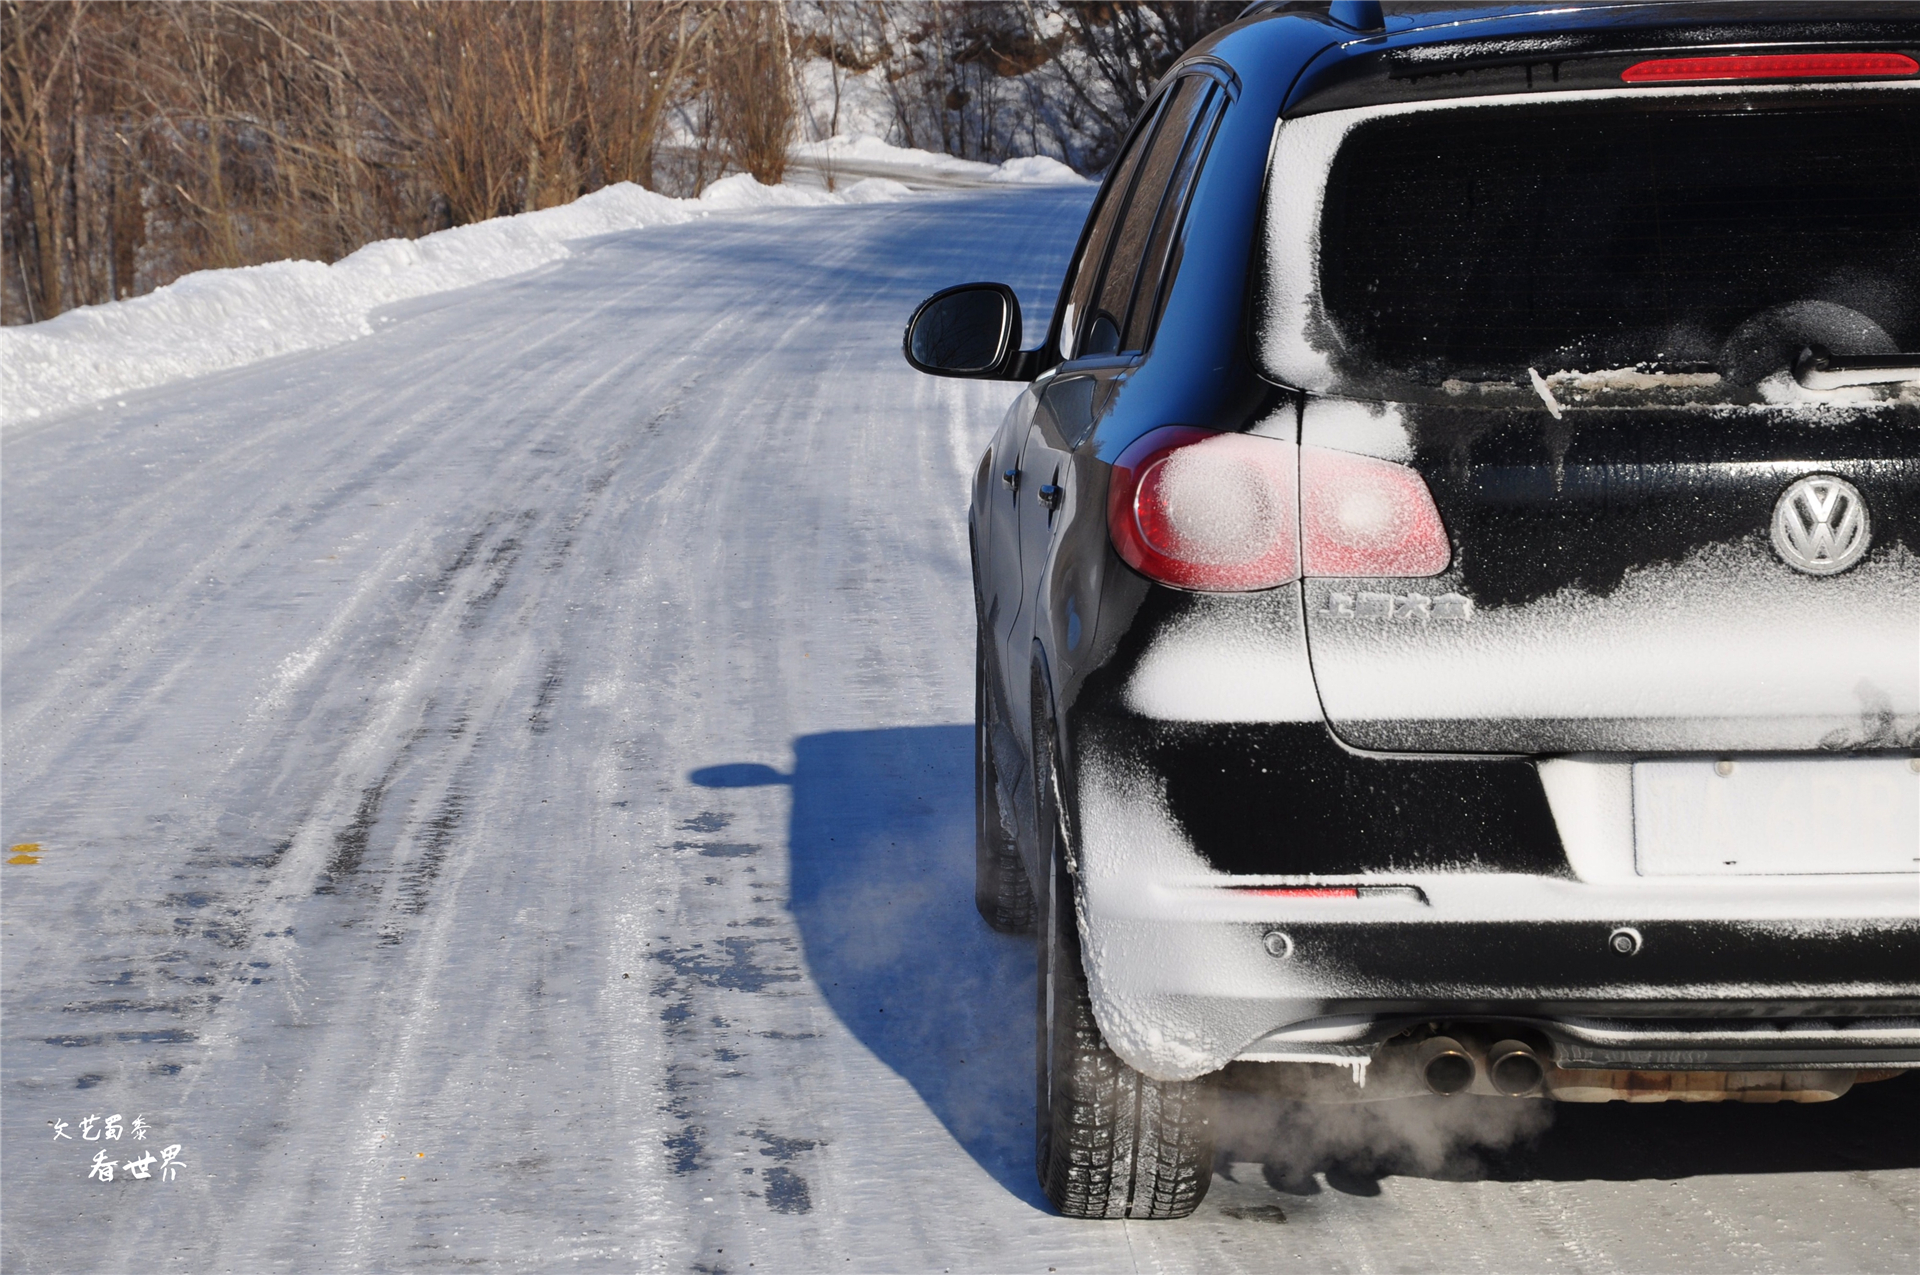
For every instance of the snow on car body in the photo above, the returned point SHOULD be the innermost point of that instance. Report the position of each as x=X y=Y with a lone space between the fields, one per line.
x=1449 y=607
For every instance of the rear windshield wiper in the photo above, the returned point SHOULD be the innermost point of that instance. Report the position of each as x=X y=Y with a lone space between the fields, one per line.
x=1818 y=370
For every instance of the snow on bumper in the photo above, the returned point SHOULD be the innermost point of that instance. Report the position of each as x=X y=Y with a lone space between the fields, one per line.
x=1183 y=979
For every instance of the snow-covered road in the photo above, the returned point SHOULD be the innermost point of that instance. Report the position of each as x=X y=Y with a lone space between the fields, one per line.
x=502 y=797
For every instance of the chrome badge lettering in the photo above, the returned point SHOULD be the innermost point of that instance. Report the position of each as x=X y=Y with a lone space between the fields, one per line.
x=1820 y=525
x=1397 y=606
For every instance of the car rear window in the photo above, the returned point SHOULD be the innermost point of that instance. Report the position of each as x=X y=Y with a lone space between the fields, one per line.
x=1710 y=238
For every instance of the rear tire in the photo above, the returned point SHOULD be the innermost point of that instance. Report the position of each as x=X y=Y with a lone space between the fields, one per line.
x=1112 y=1143
x=1001 y=890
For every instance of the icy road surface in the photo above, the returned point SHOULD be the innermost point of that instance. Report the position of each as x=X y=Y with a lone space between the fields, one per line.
x=501 y=791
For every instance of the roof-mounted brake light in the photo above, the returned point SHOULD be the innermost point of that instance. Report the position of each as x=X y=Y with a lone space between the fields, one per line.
x=1771 y=66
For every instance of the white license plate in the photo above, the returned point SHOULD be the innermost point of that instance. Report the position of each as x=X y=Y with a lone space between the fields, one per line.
x=1766 y=818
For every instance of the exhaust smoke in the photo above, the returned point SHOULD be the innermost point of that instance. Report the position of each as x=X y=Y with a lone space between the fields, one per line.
x=1352 y=1146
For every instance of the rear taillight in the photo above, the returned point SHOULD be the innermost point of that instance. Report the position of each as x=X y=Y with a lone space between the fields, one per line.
x=1771 y=66
x=1365 y=517
x=1214 y=512
x=1229 y=513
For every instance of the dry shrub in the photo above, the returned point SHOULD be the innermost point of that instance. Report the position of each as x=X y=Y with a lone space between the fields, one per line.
x=750 y=76
x=514 y=106
x=141 y=140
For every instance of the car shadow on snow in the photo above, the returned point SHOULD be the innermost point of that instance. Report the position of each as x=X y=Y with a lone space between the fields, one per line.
x=881 y=844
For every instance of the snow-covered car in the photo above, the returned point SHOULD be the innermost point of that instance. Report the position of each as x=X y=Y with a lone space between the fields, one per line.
x=1449 y=604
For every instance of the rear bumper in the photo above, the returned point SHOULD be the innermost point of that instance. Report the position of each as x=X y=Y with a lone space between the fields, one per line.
x=1183 y=992
x=1192 y=968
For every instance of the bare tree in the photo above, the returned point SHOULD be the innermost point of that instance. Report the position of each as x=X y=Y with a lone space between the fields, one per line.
x=985 y=79
x=37 y=50
x=1125 y=50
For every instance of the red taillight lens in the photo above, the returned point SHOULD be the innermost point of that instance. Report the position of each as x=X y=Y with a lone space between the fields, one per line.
x=1236 y=512
x=1771 y=66
x=1199 y=510
x=1365 y=517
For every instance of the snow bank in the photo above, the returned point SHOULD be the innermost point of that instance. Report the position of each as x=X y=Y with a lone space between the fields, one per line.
x=213 y=320
x=741 y=191
x=1037 y=170
x=1030 y=170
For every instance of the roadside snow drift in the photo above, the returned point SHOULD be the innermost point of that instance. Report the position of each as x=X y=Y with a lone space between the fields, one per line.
x=215 y=320
x=1029 y=170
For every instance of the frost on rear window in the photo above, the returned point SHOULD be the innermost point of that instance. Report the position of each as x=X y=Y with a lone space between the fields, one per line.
x=1620 y=249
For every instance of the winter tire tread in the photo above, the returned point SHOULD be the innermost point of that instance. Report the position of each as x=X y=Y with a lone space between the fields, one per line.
x=1112 y=1143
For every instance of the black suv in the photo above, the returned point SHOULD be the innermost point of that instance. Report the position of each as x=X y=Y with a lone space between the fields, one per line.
x=1449 y=604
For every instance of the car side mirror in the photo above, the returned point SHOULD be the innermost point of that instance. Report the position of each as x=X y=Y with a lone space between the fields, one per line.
x=972 y=330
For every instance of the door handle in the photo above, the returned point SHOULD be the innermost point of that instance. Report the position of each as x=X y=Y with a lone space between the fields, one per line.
x=1050 y=496
x=1011 y=477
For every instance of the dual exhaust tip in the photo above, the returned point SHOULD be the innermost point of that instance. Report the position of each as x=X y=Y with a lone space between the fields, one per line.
x=1446 y=1067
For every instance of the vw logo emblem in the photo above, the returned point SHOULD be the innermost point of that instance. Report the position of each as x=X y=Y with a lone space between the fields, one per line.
x=1820 y=525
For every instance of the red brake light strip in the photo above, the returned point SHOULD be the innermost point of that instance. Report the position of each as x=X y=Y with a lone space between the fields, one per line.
x=1771 y=66
x=1331 y=892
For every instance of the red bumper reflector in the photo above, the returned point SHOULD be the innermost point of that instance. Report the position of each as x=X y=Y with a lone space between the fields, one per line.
x=1771 y=66
x=1405 y=893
